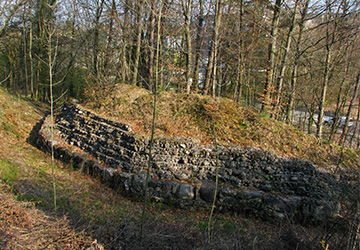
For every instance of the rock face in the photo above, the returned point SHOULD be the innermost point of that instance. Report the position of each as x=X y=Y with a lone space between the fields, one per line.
x=251 y=180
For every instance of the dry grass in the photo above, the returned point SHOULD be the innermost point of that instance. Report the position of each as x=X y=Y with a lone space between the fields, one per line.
x=23 y=168
x=22 y=226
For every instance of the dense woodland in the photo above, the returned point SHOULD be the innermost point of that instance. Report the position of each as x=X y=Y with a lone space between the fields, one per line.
x=275 y=55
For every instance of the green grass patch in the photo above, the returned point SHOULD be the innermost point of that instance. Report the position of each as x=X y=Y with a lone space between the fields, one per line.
x=37 y=200
x=8 y=173
x=203 y=224
x=229 y=226
x=11 y=129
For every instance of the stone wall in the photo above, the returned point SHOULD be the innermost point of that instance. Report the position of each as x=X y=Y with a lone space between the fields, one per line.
x=251 y=180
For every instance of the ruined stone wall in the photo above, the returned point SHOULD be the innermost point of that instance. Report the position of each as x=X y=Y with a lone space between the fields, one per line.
x=251 y=180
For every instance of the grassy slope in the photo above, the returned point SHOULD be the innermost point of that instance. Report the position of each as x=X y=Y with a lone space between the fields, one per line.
x=89 y=211
x=192 y=116
x=25 y=171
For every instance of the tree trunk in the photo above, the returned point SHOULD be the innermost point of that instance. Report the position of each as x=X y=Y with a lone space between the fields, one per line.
x=25 y=57
x=40 y=20
x=348 y=114
x=311 y=119
x=280 y=79
x=32 y=88
x=355 y=132
x=99 y=10
x=199 y=42
x=211 y=68
x=326 y=77
x=292 y=88
x=51 y=63
x=218 y=9
x=110 y=37
x=296 y=63
x=323 y=92
x=269 y=85
x=153 y=122
x=140 y=10
x=151 y=45
x=241 y=65
x=340 y=102
x=127 y=44
x=187 y=12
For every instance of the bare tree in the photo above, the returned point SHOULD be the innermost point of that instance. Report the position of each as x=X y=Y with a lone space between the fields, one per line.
x=151 y=44
x=51 y=63
x=297 y=61
x=280 y=78
x=199 y=43
x=99 y=10
x=269 y=85
x=153 y=120
x=241 y=56
x=139 y=30
x=187 y=11
x=113 y=14
x=348 y=114
x=335 y=23
x=211 y=67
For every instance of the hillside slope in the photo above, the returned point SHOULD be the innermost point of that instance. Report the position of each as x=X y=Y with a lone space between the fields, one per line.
x=22 y=170
x=194 y=115
x=89 y=212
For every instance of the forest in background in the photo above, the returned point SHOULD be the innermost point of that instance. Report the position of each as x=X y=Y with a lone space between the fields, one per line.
x=278 y=55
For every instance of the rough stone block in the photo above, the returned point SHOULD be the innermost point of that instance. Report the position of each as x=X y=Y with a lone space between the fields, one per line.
x=185 y=192
x=207 y=191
